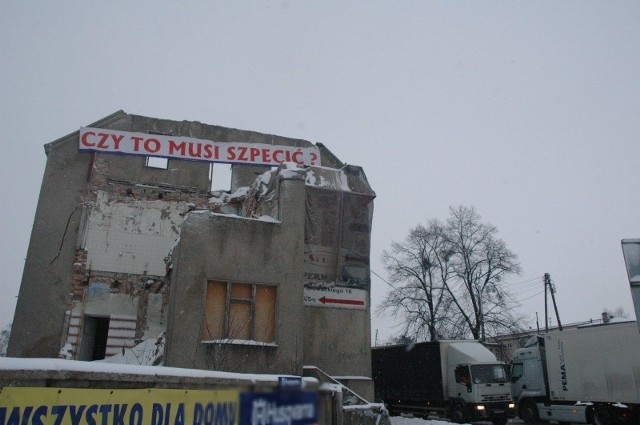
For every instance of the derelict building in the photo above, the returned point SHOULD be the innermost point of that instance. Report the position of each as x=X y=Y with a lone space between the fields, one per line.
x=130 y=243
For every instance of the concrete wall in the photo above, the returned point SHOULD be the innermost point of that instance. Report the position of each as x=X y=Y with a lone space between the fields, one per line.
x=334 y=338
x=337 y=242
x=227 y=248
x=341 y=340
x=43 y=298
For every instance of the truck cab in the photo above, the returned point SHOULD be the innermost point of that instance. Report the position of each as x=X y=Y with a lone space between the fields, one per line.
x=477 y=385
x=530 y=388
x=480 y=377
x=527 y=379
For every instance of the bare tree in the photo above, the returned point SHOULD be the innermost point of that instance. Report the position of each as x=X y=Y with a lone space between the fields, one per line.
x=448 y=279
x=618 y=313
x=418 y=269
x=480 y=261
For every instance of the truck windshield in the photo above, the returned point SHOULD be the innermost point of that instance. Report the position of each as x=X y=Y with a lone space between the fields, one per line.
x=488 y=373
x=517 y=370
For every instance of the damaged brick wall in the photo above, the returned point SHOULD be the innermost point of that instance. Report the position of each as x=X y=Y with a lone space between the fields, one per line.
x=78 y=277
x=135 y=286
x=138 y=288
x=144 y=290
x=144 y=287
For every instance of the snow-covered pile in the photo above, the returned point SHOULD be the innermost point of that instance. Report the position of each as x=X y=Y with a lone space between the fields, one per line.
x=147 y=353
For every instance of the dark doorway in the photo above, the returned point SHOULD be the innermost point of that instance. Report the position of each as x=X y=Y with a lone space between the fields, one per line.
x=94 y=338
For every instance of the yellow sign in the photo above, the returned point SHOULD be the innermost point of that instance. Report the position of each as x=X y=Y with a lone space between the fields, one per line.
x=73 y=406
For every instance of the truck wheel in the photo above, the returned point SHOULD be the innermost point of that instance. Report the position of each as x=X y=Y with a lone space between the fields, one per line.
x=601 y=416
x=529 y=412
x=458 y=415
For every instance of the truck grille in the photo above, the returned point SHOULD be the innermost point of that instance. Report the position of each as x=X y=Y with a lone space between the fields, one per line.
x=496 y=397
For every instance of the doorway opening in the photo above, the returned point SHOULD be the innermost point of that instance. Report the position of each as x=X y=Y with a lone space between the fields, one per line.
x=94 y=338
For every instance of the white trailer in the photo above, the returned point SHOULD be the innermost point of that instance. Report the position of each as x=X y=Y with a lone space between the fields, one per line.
x=588 y=374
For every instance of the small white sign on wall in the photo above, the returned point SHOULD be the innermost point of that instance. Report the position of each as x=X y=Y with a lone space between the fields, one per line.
x=336 y=297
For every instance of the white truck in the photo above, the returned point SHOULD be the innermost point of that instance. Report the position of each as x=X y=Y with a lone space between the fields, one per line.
x=588 y=374
x=461 y=380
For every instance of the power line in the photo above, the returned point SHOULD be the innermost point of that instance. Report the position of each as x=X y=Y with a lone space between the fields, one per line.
x=382 y=279
x=523 y=285
x=527 y=280
x=528 y=298
x=534 y=281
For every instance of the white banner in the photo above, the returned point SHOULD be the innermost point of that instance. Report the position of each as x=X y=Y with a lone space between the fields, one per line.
x=124 y=142
x=336 y=297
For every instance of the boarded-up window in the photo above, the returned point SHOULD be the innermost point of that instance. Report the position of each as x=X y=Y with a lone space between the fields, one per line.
x=240 y=311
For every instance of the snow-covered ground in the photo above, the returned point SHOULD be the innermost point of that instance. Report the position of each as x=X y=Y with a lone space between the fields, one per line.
x=398 y=420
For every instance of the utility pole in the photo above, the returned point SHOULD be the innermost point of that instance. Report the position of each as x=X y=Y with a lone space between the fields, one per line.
x=546 y=314
x=547 y=283
x=482 y=335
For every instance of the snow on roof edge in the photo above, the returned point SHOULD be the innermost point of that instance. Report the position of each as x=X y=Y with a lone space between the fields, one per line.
x=45 y=364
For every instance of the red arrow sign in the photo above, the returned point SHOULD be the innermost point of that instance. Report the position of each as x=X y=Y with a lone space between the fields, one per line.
x=325 y=300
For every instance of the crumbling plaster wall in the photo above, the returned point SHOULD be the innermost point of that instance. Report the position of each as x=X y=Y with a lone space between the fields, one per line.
x=55 y=277
x=124 y=244
x=127 y=235
x=136 y=305
x=132 y=237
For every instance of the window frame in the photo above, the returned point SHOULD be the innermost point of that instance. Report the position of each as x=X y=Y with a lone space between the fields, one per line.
x=225 y=331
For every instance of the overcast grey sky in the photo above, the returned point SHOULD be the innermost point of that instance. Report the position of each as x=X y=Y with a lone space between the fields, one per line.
x=528 y=111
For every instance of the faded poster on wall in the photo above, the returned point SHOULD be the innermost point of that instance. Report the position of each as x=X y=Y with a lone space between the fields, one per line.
x=337 y=249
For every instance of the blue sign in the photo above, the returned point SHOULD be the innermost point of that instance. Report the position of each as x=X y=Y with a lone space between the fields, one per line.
x=290 y=383
x=287 y=407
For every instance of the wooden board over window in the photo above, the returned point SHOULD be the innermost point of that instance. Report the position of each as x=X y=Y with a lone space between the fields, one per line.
x=240 y=312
